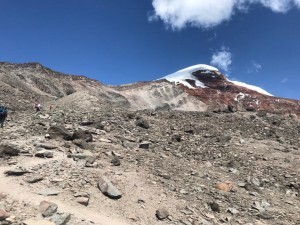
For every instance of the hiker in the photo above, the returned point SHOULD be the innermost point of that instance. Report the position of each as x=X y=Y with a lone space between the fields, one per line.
x=3 y=115
x=37 y=107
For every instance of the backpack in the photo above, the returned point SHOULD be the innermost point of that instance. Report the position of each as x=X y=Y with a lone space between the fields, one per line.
x=3 y=111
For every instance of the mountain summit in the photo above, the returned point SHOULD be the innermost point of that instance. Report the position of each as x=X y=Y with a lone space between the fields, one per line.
x=193 y=74
x=217 y=91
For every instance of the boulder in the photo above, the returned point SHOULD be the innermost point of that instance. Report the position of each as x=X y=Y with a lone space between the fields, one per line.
x=141 y=122
x=18 y=171
x=57 y=132
x=34 y=179
x=83 y=135
x=60 y=218
x=83 y=144
x=108 y=189
x=3 y=214
x=9 y=150
x=162 y=214
x=38 y=222
x=48 y=208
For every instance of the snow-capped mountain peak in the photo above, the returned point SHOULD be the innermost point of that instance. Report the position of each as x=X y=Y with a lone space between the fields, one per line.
x=185 y=75
x=197 y=76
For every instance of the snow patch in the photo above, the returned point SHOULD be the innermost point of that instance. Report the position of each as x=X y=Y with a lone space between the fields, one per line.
x=251 y=87
x=181 y=76
x=239 y=96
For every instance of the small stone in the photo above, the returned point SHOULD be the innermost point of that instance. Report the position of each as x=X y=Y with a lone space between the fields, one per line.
x=162 y=214
x=233 y=211
x=82 y=194
x=83 y=200
x=144 y=145
x=47 y=146
x=214 y=207
x=34 y=179
x=116 y=161
x=44 y=154
x=48 y=192
x=255 y=181
x=227 y=186
x=184 y=192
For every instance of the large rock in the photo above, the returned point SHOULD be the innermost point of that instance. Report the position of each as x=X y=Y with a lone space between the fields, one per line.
x=141 y=122
x=162 y=214
x=83 y=135
x=108 y=189
x=60 y=219
x=38 y=222
x=18 y=171
x=57 y=132
x=48 y=208
x=10 y=150
x=83 y=144
x=3 y=215
x=34 y=179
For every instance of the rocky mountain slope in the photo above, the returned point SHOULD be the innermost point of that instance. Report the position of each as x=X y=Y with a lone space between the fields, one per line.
x=98 y=157
x=24 y=83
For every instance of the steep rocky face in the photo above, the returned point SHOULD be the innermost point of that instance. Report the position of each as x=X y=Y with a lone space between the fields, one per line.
x=222 y=93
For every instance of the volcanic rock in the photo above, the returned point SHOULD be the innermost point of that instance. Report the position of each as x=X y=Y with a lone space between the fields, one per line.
x=108 y=189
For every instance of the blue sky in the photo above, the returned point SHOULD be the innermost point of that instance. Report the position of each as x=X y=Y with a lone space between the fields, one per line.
x=118 y=42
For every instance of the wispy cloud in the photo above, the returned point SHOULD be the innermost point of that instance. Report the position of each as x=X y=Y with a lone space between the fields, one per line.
x=284 y=80
x=254 y=67
x=222 y=59
x=178 y=14
x=213 y=37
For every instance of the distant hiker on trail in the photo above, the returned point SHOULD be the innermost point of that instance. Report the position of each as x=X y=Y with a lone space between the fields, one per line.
x=37 y=107
x=3 y=115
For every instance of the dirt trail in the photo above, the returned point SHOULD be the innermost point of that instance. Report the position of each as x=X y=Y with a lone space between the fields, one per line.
x=20 y=192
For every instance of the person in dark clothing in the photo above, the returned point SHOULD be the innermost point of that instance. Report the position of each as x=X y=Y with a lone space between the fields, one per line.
x=37 y=107
x=3 y=115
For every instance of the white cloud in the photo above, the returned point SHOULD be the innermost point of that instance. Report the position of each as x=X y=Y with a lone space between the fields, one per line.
x=280 y=6
x=178 y=14
x=284 y=80
x=297 y=3
x=254 y=68
x=222 y=59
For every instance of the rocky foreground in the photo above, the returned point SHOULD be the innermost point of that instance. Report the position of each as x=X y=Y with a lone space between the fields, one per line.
x=116 y=167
